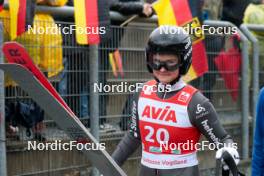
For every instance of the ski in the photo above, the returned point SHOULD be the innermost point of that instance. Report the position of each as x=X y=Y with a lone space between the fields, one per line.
x=16 y=53
x=42 y=92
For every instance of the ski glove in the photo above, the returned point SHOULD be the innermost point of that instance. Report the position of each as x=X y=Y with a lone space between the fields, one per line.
x=232 y=151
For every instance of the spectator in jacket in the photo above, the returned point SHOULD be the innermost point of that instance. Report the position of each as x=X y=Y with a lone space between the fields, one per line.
x=254 y=14
x=233 y=10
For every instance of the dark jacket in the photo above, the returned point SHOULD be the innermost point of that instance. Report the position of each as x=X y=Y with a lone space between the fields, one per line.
x=126 y=7
x=233 y=10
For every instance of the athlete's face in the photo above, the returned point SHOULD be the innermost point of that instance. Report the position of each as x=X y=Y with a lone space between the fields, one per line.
x=163 y=75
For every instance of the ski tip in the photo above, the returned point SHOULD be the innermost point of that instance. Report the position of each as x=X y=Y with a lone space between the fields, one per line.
x=7 y=46
x=11 y=44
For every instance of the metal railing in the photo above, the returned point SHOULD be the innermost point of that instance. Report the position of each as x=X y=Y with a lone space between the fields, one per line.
x=3 y=168
x=244 y=85
x=250 y=31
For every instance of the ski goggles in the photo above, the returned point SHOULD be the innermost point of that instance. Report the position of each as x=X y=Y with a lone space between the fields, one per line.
x=168 y=65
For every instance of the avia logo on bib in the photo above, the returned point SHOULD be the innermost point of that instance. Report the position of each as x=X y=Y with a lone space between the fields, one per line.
x=164 y=114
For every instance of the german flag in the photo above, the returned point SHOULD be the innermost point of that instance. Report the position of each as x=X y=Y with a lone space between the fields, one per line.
x=92 y=20
x=1 y=4
x=21 y=16
x=186 y=14
x=228 y=63
x=113 y=64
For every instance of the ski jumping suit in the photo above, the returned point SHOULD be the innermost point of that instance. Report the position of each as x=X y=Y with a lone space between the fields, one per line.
x=176 y=116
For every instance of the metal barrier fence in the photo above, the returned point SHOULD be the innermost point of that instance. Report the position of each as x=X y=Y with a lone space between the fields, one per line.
x=252 y=31
x=77 y=77
x=3 y=169
x=244 y=86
